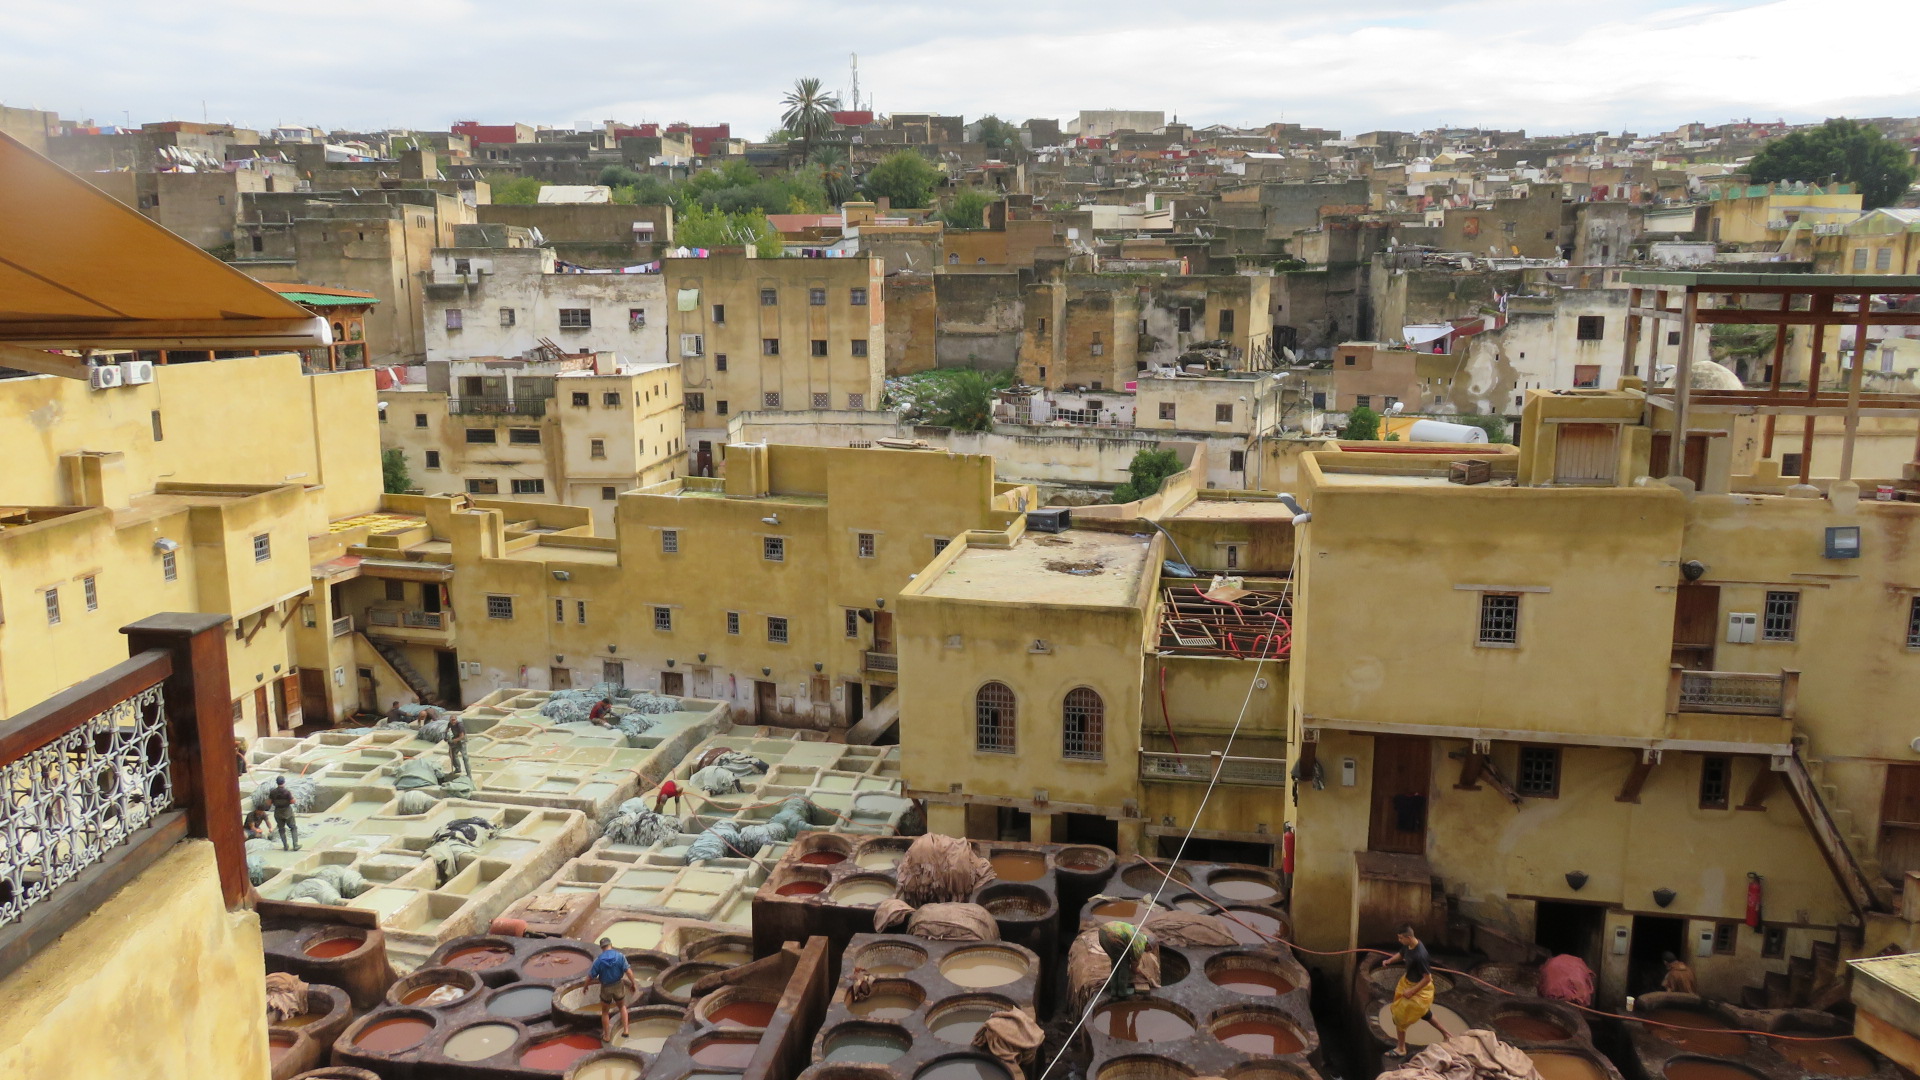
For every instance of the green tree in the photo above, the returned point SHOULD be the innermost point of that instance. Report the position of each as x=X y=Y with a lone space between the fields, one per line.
x=1838 y=149
x=808 y=112
x=394 y=479
x=519 y=191
x=618 y=176
x=967 y=209
x=1146 y=472
x=997 y=134
x=831 y=168
x=1363 y=424
x=965 y=403
x=904 y=178
x=696 y=226
x=1494 y=426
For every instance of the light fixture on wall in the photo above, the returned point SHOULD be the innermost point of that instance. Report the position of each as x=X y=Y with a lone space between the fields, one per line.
x=562 y=575
x=1663 y=897
x=703 y=658
x=1576 y=880
x=609 y=648
x=818 y=666
x=765 y=671
x=669 y=661
x=880 y=602
x=164 y=545
x=1693 y=569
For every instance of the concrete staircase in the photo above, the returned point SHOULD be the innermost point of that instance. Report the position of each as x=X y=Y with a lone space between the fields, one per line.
x=397 y=660
x=1817 y=981
x=1860 y=847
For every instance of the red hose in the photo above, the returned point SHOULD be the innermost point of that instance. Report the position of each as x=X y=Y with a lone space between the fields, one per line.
x=1166 y=717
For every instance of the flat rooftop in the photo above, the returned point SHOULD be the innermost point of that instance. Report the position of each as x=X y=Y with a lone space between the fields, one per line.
x=544 y=553
x=1079 y=566
x=1235 y=510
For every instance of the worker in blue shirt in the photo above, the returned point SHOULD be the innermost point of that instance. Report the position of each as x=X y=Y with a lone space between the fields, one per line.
x=614 y=977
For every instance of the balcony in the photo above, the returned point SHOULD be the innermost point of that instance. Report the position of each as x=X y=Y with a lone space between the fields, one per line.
x=883 y=661
x=1199 y=769
x=407 y=618
x=1740 y=693
x=497 y=406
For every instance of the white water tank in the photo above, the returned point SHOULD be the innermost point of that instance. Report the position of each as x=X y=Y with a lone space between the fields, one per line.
x=1441 y=431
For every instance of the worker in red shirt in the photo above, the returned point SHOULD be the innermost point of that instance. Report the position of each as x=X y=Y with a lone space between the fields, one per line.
x=601 y=713
x=668 y=790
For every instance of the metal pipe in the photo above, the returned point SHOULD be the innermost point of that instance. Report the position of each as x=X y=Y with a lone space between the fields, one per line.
x=1773 y=377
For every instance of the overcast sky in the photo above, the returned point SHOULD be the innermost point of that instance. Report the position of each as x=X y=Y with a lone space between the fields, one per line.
x=1356 y=65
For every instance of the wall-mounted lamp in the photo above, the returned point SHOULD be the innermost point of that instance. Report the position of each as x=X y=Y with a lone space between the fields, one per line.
x=1693 y=569
x=880 y=602
x=703 y=658
x=818 y=666
x=559 y=658
x=609 y=648
x=1576 y=880
x=276 y=669
x=765 y=671
x=1663 y=897
x=164 y=545
x=259 y=678
x=669 y=661
x=562 y=575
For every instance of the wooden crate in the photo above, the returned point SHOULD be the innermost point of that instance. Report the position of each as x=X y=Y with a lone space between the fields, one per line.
x=1471 y=471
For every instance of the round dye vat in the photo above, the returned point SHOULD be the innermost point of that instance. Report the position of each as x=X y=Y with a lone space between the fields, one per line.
x=648 y=1035
x=983 y=967
x=1691 y=1029
x=1141 y=1021
x=855 y=891
x=963 y=1068
x=1252 y=927
x=279 y=1046
x=479 y=957
x=877 y=858
x=1558 y=1065
x=1019 y=866
x=632 y=934
x=300 y=1021
x=801 y=888
x=1127 y=910
x=1264 y=1037
x=557 y=964
x=890 y=969
x=522 y=1002
x=957 y=1025
x=883 y=1006
x=329 y=948
x=1148 y=877
x=823 y=858
x=1421 y=1033
x=480 y=1042
x=1698 y=1069
x=725 y=1052
x=1523 y=1027
x=1828 y=1057
x=681 y=981
x=557 y=1054
x=1246 y=888
x=1251 y=981
x=1195 y=905
x=393 y=1036
x=746 y=1014
x=610 y=1069
x=867 y=1046
x=433 y=993
x=727 y=956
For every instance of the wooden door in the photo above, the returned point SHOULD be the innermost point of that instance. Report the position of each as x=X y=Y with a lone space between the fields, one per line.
x=1584 y=454
x=1693 y=461
x=559 y=678
x=1900 y=822
x=1696 y=625
x=883 y=631
x=1402 y=771
x=262 y=713
x=286 y=701
x=313 y=695
x=766 y=703
x=703 y=683
x=614 y=673
x=673 y=684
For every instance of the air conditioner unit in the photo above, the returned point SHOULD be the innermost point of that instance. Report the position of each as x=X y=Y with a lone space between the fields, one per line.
x=692 y=344
x=136 y=372
x=104 y=377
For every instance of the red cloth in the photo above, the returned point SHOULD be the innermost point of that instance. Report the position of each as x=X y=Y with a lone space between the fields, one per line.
x=600 y=709
x=1567 y=978
x=669 y=790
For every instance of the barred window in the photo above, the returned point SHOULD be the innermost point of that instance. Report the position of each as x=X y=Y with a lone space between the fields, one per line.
x=822 y=401
x=696 y=402
x=1539 y=772
x=733 y=622
x=770 y=399
x=1716 y=776
x=819 y=346
x=499 y=607
x=1913 y=623
x=576 y=318
x=817 y=297
x=1499 y=619
x=864 y=545
x=770 y=346
x=773 y=548
x=669 y=541
x=776 y=629
x=262 y=547
x=170 y=570
x=993 y=716
x=529 y=487
x=559 y=611
x=53 y=607
x=1783 y=612
x=857 y=297
x=769 y=297
x=859 y=345
x=856 y=401
x=853 y=622
x=663 y=618
x=1083 y=719
x=92 y=594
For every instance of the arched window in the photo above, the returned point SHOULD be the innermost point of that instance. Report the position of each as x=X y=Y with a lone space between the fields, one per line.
x=1082 y=720
x=993 y=719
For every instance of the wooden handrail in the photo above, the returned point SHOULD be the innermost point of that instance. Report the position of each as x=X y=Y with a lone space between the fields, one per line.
x=30 y=729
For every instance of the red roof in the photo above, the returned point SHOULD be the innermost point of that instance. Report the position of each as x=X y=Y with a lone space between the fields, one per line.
x=853 y=117
x=793 y=223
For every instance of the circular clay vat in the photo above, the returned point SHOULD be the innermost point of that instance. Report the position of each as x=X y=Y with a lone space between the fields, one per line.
x=862 y=1043
x=1519 y=978
x=1143 y=1020
x=956 y=1019
x=478 y=1042
x=562 y=963
x=1148 y=875
x=608 y=1065
x=1174 y=966
x=1521 y=1024
x=1255 y=974
x=521 y=1001
x=339 y=1072
x=739 y=1007
x=883 y=853
x=1566 y=1065
x=280 y=1044
x=1826 y=1057
x=800 y=881
x=1267 y=1070
x=1126 y=909
x=328 y=1011
x=675 y=984
x=1421 y=1033
x=725 y=1050
x=650 y=1027
x=1693 y=1068
x=1694 y=1030
x=862 y=890
x=1262 y=1032
x=727 y=950
x=1245 y=885
x=475 y=954
x=428 y=987
x=1011 y=902
x=963 y=1067
x=889 y=958
x=1386 y=978
x=1144 y=1067
x=983 y=966
x=391 y=1032
x=1083 y=861
x=822 y=849
x=891 y=999
x=1251 y=925
x=1193 y=903
x=555 y=1053
x=1011 y=864
x=332 y=944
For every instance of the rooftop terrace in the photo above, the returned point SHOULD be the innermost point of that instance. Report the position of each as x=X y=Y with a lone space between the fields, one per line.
x=1079 y=567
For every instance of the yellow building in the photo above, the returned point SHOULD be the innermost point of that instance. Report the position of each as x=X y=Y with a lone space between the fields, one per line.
x=1765 y=213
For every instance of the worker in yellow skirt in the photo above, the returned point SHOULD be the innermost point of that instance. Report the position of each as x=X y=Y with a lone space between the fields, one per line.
x=1413 y=994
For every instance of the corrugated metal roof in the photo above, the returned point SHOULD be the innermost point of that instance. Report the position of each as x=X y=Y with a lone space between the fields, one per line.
x=328 y=300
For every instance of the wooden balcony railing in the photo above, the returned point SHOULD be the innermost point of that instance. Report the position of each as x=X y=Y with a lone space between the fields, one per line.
x=1744 y=693
x=1199 y=769
x=102 y=779
x=409 y=618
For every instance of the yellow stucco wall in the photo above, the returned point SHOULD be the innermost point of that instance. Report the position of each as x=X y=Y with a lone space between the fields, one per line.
x=161 y=982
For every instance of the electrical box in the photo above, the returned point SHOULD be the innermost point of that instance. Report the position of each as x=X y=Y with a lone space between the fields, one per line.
x=1741 y=626
x=1620 y=938
x=1347 y=778
x=1703 y=943
x=1843 y=541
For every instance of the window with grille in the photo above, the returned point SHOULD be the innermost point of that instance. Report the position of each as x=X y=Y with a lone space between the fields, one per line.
x=1782 y=614
x=524 y=436
x=1913 y=623
x=1499 y=619
x=720 y=407
x=993 y=717
x=499 y=607
x=857 y=297
x=1590 y=328
x=53 y=607
x=576 y=318
x=91 y=593
x=1223 y=414
x=776 y=630
x=1538 y=776
x=769 y=297
x=559 y=611
x=433 y=459
x=770 y=399
x=596 y=448
x=773 y=548
x=453 y=318
x=609 y=494
x=663 y=618
x=719 y=361
x=1716 y=780
x=864 y=545
x=940 y=544
x=1363 y=401
x=823 y=401
x=1082 y=718
x=581 y=401
x=611 y=401
x=669 y=541
x=580 y=612
x=856 y=401
x=169 y=566
x=1725 y=937
x=696 y=402
x=483 y=487
x=262 y=547
x=859 y=346
x=1166 y=410
x=817 y=297
x=853 y=622
x=529 y=487
x=506 y=316
x=770 y=346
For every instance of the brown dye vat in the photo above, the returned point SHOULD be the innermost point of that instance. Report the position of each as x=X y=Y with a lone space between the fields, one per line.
x=727 y=956
x=1147 y=877
x=1250 y=981
x=393 y=1036
x=957 y=1023
x=800 y=888
x=983 y=967
x=964 y=1068
x=1244 y=887
x=556 y=964
x=725 y=1051
x=1524 y=1027
x=1264 y=1037
x=329 y=948
x=279 y=1046
x=1019 y=866
x=1697 y=1069
x=746 y=1014
x=300 y=1021
x=1127 y=910
x=1083 y=860
x=1691 y=1029
x=556 y=1054
x=1559 y=1065
x=479 y=957
x=1827 y=1057
x=884 y=1006
x=1195 y=904
x=1142 y=1021
x=889 y=959
x=823 y=858
x=1252 y=927
x=610 y=1068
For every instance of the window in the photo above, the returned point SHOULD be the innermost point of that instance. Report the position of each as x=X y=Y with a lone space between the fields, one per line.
x=529 y=487
x=262 y=547
x=1859 y=258
x=669 y=541
x=259 y=243
x=433 y=459
x=158 y=434
x=1097 y=348
x=1783 y=611
x=1790 y=464
x=1166 y=410
x=858 y=346
x=580 y=612
x=581 y=401
x=776 y=630
x=169 y=567
x=1226 y=322
x=856 y=401
x=1389 y=402
x=1082 y=718
x=769 y=297
x=696 y=402
x=853 y=622
x=993 y=718
x=1586 y=376
x=819 y=346
x=773 y=548
x=610 y=400
x=1319 y=399
x=663 y=618
x=863 y=545
x=596 y=448
x=770 y=399
x=636 y=318
x=719 y=314
x=1913 y=623
x=940 y=544
x=1716 y=780
x=1363 y=401
x=1590 y=328
x=823 y=401
x=720 y=361
x=1499 y=619
x=770 y=346
x=1773 y=942
x=463 y=266
x=383 y=415
x=1185 y=316
x=857 y=297
x=483 y=487
x=1237 y=460
x=90 y=592
x=1725 y=937
x=1883 y=259
x=559 y=611
x=1673 y=337
x=524 y=436
x=506 y=316
x=576 y=318
x=1040 y=326
x=609 y=493
x=419 y=419
x=53 y=607
x=1233 y=557
x=1223 y=414
x=720 y=407
x=733 y=622
x=1539 y=772
x=453 y=318
x=692 y=344
x=817 y=297
x=499 y=607
x=482 y=435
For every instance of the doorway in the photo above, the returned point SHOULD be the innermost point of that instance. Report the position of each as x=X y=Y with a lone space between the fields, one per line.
x=883 y=631
x=1227 y=851
x=1693 y=459
x=1900 y=822
x=1652 y=936
x=1402 y=770
x=1573 y=929
x=1696 y=620
x=673 y=684
x=262 y=717
x=313 y=695
x=614 y=674
x=856 y=703
x=766 y=703
x=1090 y=829
x=369 y=693
x=559 y=678
x=429 y=596
x=447 y=674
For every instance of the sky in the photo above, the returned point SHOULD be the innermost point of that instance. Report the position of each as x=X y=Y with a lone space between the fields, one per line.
x=1547 y=66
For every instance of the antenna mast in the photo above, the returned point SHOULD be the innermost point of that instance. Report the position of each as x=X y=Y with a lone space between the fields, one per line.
x=854 y=66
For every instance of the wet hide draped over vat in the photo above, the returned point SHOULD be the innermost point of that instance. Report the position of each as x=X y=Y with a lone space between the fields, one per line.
x=941 y=870
x=1012 y=1036
x=1187 y=929
x=1088 y=969
x=1474 y=1055
x=286 y=996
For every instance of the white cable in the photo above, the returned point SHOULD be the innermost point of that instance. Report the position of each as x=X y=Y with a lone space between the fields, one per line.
x=1166 y=877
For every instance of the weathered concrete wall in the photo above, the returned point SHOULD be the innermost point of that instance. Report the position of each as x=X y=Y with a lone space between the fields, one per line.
x=979 y=321
x=912 y=321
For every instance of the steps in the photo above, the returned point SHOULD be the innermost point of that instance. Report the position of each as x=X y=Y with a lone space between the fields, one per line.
x=397 y=660
x=1859 y=846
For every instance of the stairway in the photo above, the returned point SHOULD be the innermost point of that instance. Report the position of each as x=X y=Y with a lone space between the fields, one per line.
x=397 y=660
x=1859 y=847
x=1817 y=981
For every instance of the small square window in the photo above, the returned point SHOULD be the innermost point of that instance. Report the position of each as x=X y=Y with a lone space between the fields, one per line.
x=529 y=487
x=597 y=448
x=53 y=607
x=823 y=401
x=719 y=361
x=669 y=541
x=1773 y=942
x=696 y=402
x=609 y=493
x=610 y=400
x=262 y=547
x=576 y=318
x=453 y=318
x=663 y=618
x=1782 y=616
x=940 y=544
x=864 y=545
x=1237 y=460
x=853 y=622
x=1725 y=938
x=776 y=630
x=770 y=400
x=769 y=297
x=169 y=566
x=817 y=297
x=507 y=316
x=819 y=346
x=483 y=487
x=1499 y=619
x=1716 y=781
x=433 y=459
x=733 y=622
x=770 y=346
x=1590 y=328
x=1673 y=337
x=720 y=407
x=1167 y=410
x=856 y=401
x=1539 y=772
x=419 y=419
x=858 y=346
x=857 y=297
x=463 y=266
x=499 y=607
x=1913 y=623
x=773 y=548
x=1223 y=414
x=524 y=436
x=482 y=435
x=581 y=401
x=636 y=318
x=719 y=314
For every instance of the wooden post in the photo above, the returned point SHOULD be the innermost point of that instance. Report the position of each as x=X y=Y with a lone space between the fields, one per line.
x=1682 y=385
x=206 y=777
x=1674 y=677
x=1853 y=385
x=1822 y=305
x=1773 y=377
x=1789 y=693
x=1628 y=362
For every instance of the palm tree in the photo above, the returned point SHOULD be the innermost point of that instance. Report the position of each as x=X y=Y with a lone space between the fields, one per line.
x=809 y=112
x=835 y=172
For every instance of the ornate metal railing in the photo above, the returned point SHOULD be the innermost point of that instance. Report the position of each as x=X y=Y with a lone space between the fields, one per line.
x=883 y=661
x=343 y=626
x=1198 y=768
x=497 y=406
x=1742 y=692
x=405 y=617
